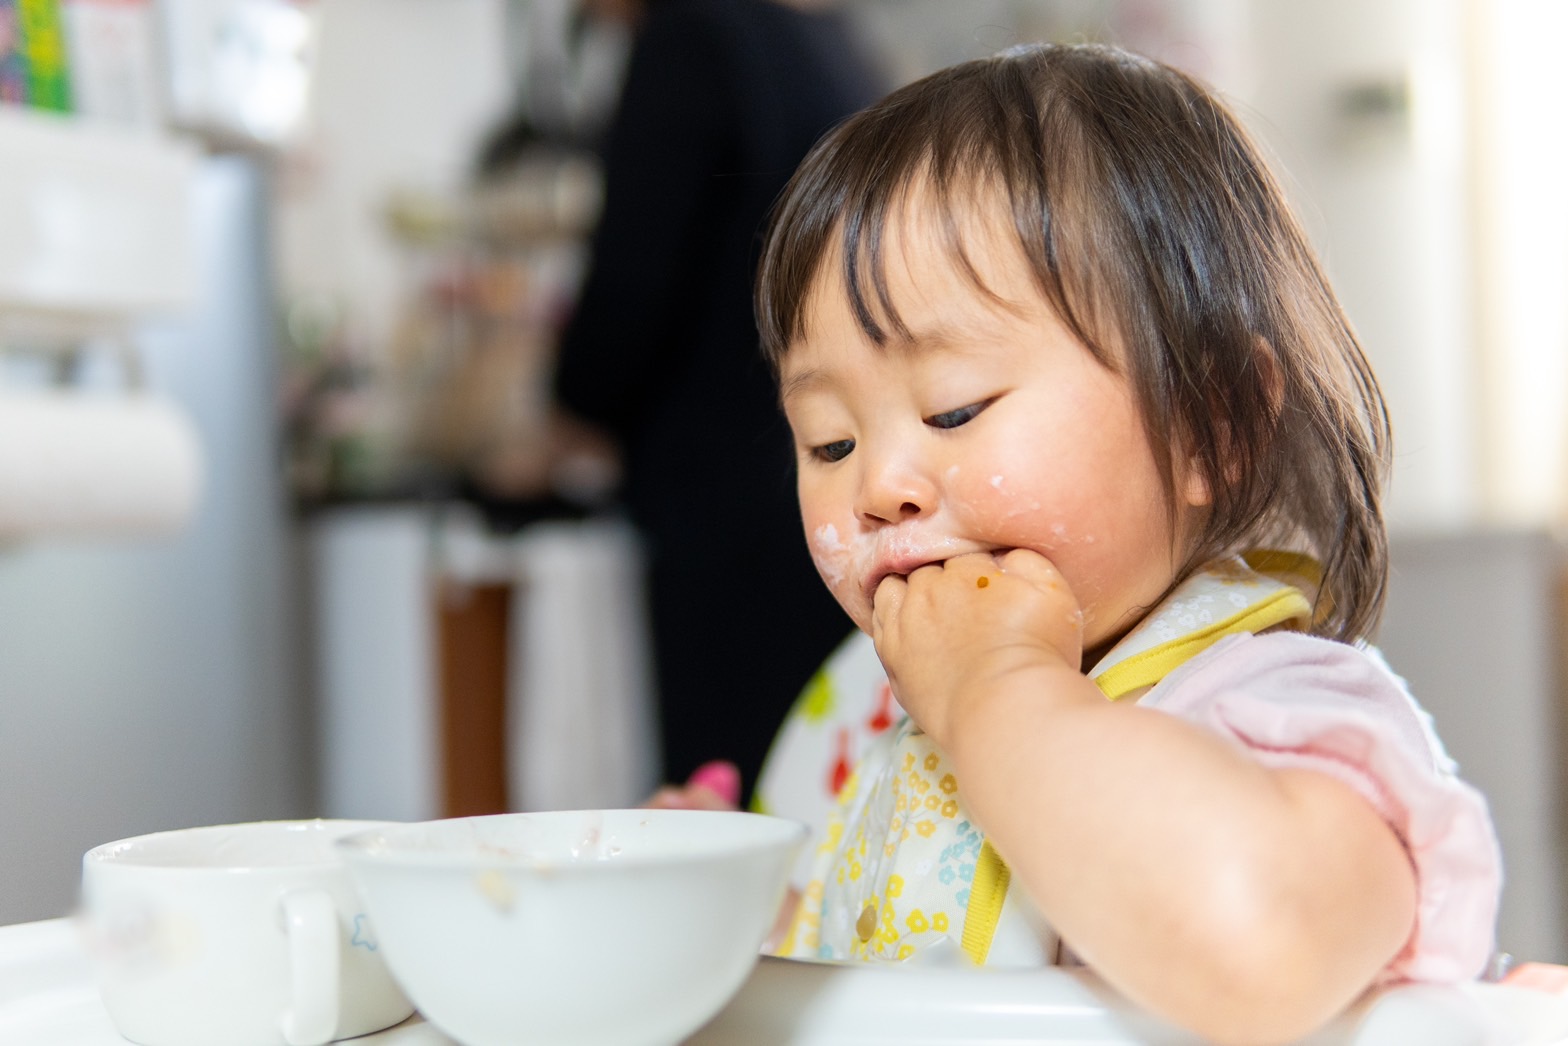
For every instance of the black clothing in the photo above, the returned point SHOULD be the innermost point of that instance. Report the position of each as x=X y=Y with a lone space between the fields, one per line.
x=722 y=100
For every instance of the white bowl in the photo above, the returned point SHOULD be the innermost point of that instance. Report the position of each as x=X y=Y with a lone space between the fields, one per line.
x=590 y=927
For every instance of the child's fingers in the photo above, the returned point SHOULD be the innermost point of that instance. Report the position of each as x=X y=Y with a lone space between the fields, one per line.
x=720 y=778
x=887 y=599
x=687 y=797
x=668 y=797
x=1027 y=563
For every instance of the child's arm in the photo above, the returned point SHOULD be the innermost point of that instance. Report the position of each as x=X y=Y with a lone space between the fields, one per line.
x=1246 y=903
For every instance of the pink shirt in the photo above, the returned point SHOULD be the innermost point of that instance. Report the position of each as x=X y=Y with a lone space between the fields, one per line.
x=1300 y=701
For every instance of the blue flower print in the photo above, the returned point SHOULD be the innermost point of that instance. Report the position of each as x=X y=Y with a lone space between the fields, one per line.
x=363 y=938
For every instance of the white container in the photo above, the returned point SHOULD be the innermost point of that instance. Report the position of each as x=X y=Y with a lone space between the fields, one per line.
x=96 y=226
x=246 y=934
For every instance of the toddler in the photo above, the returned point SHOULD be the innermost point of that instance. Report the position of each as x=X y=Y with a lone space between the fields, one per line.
x=1087 y=447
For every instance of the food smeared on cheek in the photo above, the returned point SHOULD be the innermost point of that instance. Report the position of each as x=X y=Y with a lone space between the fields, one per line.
x=830 y=554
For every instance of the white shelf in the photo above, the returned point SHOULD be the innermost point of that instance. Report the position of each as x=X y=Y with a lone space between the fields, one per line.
x=95 y=223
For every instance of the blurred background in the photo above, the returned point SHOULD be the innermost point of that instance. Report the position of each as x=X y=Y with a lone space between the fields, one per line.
x=288 y=526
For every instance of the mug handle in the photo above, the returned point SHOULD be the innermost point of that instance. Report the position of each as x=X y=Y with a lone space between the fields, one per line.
x=311 y=922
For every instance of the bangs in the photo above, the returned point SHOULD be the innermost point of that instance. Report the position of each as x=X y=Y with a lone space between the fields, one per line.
x=956 y=141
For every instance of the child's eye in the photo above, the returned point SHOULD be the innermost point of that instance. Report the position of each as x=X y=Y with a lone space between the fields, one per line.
x=951 y=419
x=838 y=450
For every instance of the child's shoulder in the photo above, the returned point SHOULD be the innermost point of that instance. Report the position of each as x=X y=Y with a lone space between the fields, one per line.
x=1293 y=664
x=1282 y=685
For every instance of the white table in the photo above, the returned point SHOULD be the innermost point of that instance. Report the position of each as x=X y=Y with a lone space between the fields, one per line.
x=48 y=998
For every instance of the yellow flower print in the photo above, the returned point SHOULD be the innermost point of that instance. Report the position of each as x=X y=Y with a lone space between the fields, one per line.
x=933 y=802
x=909 y=761
x=949 y=784
x=917 y=922
x=939 y=922
x=895 y=885
x=835 y=836
x=950 y=808
x=854 y=871
x=905 y=951
x=922 y=786
x=925 y=828
x=851 y=787
x=933 y=760
x=902 y=804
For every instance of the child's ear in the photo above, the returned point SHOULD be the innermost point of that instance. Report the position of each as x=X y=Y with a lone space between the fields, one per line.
x=1194 y=485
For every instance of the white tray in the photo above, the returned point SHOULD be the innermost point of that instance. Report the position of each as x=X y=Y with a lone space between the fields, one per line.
x=48 y=998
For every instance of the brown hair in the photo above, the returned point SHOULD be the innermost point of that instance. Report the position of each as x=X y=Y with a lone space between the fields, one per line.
x=1153 y=227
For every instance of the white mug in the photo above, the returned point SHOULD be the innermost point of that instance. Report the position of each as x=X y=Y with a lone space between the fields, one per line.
x=246 y=935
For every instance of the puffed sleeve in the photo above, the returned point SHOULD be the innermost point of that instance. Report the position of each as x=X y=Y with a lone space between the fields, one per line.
x=1300 y=701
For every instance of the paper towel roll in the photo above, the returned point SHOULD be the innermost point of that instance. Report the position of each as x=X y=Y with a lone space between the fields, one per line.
x=95 y=464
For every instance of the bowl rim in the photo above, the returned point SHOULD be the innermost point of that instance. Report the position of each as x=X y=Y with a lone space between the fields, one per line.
x=131 y=852
x=356 y=847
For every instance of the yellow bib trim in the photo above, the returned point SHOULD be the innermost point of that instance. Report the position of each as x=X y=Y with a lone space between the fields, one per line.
x=1156 y=663
x=986 y=895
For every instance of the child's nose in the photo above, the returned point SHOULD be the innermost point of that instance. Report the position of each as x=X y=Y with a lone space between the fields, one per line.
x=893 y=490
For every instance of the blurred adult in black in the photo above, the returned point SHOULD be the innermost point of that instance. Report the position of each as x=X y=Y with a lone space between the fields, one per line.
x=721 y=100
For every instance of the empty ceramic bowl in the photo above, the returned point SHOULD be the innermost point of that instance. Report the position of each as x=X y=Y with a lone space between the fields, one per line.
x=596 y=927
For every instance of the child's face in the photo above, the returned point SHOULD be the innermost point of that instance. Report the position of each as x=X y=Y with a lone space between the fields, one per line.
x=994 y=428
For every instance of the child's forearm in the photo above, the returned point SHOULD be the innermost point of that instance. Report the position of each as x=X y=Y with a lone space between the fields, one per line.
x=1246 y=903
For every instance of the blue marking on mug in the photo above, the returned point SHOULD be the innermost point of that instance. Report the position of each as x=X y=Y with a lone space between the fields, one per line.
x=362 y=937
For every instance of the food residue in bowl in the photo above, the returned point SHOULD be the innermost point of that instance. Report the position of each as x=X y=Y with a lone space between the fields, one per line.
x=497 y=889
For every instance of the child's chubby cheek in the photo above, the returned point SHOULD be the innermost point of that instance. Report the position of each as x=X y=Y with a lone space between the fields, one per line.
x=993 y=499
x=1006 y=512
x=998 y=509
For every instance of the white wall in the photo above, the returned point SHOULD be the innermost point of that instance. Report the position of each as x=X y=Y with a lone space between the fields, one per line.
x=403 y=92
x=151 y=685
x=1385 y=199
x=1519 y=156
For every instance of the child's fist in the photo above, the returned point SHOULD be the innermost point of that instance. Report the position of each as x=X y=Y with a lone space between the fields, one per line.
x=949 y=628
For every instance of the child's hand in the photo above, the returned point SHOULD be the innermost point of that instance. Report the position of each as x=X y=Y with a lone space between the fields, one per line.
x=714 y=786
x=950 y=628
